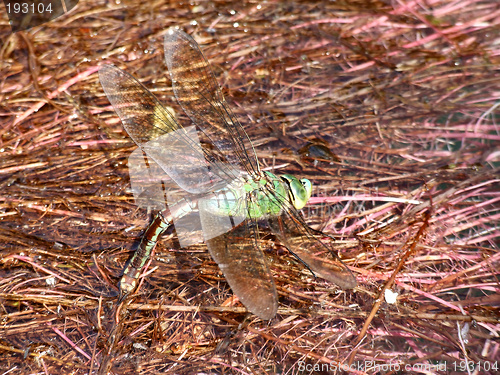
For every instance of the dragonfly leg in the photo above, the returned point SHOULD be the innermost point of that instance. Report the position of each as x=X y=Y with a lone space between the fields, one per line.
x=134 y=268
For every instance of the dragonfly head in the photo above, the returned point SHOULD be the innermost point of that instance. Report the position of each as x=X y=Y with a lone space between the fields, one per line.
x=300 y=190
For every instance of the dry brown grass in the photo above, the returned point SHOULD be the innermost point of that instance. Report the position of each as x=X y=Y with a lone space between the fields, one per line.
x=405 y=93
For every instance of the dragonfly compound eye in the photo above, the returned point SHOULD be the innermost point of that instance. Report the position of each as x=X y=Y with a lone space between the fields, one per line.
x=300 y=190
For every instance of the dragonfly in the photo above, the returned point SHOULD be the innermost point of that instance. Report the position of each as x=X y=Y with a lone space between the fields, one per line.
x=224 y=190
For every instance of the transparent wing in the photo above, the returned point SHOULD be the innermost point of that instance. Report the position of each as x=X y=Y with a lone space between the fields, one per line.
x=199 y=94
x=242 y=263
x=177 y=150
x=301 y=240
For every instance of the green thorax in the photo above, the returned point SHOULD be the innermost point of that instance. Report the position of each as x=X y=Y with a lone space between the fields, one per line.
x=259 y=198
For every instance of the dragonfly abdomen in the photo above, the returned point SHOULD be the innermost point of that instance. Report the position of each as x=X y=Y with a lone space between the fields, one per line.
x=162 y=221
x=148 y=242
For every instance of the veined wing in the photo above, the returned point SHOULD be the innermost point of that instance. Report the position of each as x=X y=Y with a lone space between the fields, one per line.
x=175 y=149
x=301 y=240
x=242 y=263
x=199 y=94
